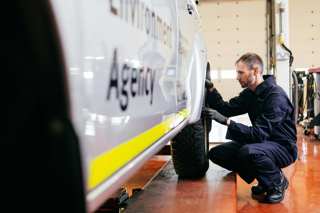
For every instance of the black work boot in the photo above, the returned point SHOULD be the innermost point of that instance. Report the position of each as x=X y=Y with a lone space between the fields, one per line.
x=276 y=194
x=258 y=190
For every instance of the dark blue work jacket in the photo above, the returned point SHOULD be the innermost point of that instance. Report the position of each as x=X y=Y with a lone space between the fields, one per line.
x=270 y=111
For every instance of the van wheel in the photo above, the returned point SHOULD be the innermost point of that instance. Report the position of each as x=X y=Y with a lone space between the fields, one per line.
x=189 y=150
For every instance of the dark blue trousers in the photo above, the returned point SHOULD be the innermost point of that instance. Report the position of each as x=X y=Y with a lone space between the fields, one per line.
x=261 y=161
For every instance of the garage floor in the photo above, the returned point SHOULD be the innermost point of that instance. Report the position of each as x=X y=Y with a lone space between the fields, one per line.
x=222 y=191
x=303 y=194
x=167 y=193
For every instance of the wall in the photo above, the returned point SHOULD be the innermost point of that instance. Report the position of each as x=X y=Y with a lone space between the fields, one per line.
x=232 y=28
x=304 y=18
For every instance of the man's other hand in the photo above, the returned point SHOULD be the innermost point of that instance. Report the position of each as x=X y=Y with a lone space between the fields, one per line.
x=215 y=115
x=209 y=85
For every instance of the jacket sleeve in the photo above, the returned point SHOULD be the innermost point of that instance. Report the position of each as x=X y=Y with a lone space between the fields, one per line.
x=236 y=105
x=273 y=114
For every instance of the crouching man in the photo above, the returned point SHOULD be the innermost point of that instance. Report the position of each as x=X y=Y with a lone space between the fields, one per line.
x=257 y=152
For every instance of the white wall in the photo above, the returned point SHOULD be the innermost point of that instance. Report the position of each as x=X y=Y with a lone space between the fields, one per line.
x=305 y=32
x=232 y=28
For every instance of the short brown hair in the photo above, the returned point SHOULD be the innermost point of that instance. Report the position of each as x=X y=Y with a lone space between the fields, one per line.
x=250 y=59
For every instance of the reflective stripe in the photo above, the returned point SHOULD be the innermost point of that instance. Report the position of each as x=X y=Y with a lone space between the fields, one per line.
x=112 y=160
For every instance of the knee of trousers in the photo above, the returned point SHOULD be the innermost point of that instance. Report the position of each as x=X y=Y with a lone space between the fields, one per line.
x=215 y=154
x=249 y=154
x=244 y=154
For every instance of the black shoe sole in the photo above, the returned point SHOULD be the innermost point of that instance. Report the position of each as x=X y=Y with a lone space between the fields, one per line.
x=258 y=197
x=257 y=194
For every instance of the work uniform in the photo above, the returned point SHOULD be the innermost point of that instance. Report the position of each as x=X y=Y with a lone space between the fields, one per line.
x=262 y=150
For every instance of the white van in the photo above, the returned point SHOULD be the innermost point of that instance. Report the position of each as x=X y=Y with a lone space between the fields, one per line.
x=99 y=87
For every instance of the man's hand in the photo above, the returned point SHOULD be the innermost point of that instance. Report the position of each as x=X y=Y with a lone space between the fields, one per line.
x=215 y=115
x=209 y=85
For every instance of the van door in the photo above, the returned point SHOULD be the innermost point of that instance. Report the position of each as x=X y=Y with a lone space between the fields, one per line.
x=187 y=29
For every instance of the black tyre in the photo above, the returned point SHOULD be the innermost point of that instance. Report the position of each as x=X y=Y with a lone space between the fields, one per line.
x=189 y=150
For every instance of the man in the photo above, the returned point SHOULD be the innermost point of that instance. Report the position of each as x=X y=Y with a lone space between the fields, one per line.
x=257 y=152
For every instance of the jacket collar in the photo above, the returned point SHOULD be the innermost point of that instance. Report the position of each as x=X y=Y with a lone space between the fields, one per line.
x=269 y=81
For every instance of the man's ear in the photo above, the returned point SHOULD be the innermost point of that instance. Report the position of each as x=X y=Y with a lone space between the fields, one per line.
x=256 y=70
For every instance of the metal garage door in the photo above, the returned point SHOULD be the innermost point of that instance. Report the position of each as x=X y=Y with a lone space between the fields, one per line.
x=304 y=33
x=232 y=28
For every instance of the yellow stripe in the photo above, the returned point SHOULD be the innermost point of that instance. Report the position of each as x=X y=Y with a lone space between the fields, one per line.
x=109 y=162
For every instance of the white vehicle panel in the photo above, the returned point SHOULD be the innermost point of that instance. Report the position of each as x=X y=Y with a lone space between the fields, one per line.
x=136 y=75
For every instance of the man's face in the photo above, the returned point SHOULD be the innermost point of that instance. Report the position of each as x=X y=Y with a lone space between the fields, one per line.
x=245 y=76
